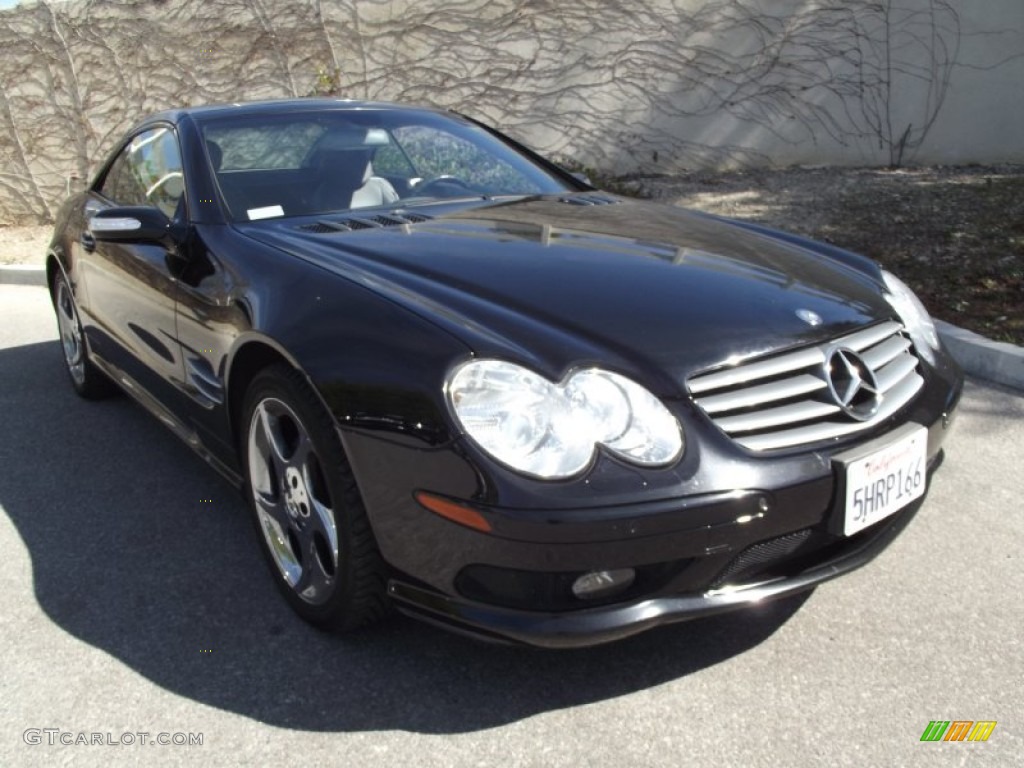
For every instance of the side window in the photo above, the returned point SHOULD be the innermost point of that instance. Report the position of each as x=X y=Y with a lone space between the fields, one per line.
x=120 y=185
x=147 y=172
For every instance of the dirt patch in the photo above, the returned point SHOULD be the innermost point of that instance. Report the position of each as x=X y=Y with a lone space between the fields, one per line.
x=955 y=235
x=24 y=245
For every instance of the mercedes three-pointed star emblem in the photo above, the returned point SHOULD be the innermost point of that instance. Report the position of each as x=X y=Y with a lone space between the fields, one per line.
x=852 y=384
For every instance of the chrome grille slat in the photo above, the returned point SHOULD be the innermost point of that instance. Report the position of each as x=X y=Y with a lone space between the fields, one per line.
x=881 y=354
x=805 y=410
x=762 y=393
x=868 y=337
x=745 y=373
x=893 y=373
x=785 y=401
x=828 y=429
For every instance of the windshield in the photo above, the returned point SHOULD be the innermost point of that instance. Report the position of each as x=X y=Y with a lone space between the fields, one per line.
x=298 y=164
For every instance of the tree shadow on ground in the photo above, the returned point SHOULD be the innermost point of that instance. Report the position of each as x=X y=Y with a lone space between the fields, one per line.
x=143 y=552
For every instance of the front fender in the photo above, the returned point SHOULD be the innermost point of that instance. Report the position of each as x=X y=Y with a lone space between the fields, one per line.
x=375 y=364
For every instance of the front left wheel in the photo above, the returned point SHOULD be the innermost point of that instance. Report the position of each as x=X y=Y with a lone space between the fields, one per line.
x=312 y=525
x=89 y=382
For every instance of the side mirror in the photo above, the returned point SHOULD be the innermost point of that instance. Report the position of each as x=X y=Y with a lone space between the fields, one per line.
x=132 y=224
x=581 y=177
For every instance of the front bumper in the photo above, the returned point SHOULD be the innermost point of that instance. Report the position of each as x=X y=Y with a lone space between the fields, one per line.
x=613 y=622
x=768 y=531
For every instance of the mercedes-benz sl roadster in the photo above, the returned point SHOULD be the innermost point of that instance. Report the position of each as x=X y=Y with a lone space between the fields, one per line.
x=454 y=379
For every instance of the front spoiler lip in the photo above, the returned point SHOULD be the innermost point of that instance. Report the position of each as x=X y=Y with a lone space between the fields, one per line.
x=577 y=629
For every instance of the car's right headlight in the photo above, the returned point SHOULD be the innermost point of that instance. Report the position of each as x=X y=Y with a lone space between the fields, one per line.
x=551 y=430
x=913 y=314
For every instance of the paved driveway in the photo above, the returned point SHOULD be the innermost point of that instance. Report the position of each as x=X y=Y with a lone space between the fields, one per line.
x=134 y=601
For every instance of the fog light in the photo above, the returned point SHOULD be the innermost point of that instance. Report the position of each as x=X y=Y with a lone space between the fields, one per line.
x=602 y=583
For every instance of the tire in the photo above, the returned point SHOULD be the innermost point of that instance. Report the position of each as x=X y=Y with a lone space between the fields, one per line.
x=88 y=380
x=309 y=516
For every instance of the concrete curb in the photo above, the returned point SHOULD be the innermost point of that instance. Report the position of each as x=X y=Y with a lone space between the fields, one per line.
x=22 y=274
x=992 y=360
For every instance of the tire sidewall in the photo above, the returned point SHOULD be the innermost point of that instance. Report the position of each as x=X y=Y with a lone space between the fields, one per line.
x=280 y=383
x=95 y=385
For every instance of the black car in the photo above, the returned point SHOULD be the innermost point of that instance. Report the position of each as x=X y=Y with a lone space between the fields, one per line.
x=453 y=378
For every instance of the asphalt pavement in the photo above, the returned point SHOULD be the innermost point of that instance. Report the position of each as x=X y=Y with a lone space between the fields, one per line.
x=135 y=608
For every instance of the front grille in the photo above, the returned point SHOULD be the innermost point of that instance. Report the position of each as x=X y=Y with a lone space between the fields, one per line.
x=785 y=400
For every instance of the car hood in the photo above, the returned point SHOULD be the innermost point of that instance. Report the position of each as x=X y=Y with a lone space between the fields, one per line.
x=627 y=284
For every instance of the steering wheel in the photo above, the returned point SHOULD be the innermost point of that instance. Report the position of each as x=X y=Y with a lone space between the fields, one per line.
x=444 y=186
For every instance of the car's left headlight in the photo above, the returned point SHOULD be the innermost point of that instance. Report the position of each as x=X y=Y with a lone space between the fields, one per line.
x=551 y=430
x=913 y=314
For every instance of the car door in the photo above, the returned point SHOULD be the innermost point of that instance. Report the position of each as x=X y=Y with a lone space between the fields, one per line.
x=208 y=323
x=131 y=290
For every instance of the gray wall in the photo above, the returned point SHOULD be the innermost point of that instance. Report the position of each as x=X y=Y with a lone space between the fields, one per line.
x=651 y=86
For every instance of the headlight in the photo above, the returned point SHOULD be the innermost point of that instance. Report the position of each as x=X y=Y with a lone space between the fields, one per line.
x=552 y=430
x=913 y=314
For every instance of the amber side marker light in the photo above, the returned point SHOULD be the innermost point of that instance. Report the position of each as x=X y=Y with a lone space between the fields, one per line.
x=450 y=510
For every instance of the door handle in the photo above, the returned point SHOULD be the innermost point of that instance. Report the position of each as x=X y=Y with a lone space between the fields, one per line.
x=88 y=242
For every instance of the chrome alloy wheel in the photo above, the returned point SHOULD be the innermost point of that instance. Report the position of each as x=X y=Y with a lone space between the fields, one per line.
x=70 y=332
x=292 y=500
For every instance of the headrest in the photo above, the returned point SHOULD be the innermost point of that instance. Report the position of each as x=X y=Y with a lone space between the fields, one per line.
x=353 y=137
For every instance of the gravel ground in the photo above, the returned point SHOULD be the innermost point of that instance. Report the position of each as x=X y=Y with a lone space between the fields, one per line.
x=24 y=245
x=955 y=234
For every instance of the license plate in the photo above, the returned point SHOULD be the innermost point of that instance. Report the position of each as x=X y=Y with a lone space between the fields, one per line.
x=881 y=481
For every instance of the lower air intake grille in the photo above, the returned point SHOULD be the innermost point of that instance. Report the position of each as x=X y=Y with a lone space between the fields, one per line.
x=815 y=393
x=748 y=562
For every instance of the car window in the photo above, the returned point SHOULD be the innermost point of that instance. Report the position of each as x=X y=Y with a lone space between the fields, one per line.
x=310 y=162
x=389 y=161
x=147 y=172
x=276 y=146
x=435 y=152
x=119 y=185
